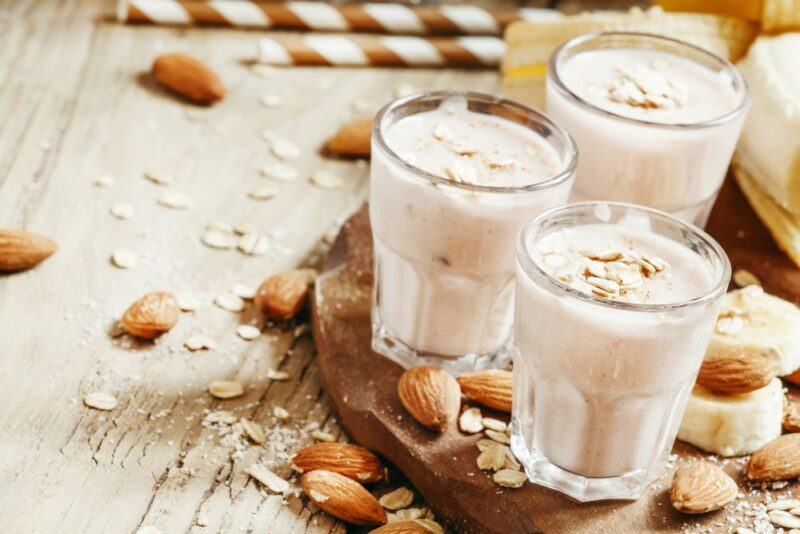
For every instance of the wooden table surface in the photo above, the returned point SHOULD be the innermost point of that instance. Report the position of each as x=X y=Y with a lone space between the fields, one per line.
x=76 y=103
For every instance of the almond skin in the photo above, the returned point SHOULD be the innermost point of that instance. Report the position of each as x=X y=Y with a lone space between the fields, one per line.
x=152 y=315
x=431 y=396
x=401 y=527
x=791 y=416
x=491 y=388
x=281 y=296
x=777 y=460
x=349 y=460
x=188 y=77
x=20 y=250
x=353 y=139
x=343 y=498
x=794 y=378
x=701 y=487
x=732 y=373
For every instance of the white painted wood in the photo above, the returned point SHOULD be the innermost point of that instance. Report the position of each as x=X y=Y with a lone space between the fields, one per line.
x=76 y=103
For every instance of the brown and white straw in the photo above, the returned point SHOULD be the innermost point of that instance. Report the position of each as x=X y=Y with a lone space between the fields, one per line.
x=405 y=51
x=320 y=16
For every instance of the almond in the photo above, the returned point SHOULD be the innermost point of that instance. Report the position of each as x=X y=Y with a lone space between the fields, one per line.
x=736 y=372
x=188 y=77
x=401 y=527
x=701 y=487
x=794 y=378
x=343 y=498
x=431 y=396
x=491 y=388
x=777 y=460
x=20 y=250
x=353 y=139
x=281 y=296
x=349 y=460
x=151 y=315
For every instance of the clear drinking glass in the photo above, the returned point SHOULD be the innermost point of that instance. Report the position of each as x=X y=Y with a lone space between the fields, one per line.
x=600 y=386
x=677 y=168
x=444 y=250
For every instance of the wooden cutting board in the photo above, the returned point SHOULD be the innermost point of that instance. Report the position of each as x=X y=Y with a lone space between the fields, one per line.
x=361 y=387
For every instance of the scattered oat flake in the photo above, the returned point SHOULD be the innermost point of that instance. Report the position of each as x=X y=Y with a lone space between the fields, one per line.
x=100 y=401
x=430 y=526
x=744 y=278
x=244 y=291
x=225 y=389
x=279 y=171
x=104 y=180
x=280 y=412
x=784 y=519
x=264 y=192
x=122 y=210
x=254 y=244
x=509 y=478
x=270 y=480
x=219 y=226
x=494 y=424
x=272 y=374
x=230 y=302
x=248 y=332
x=219 y=240
x=159 y=177
x=441 y=132
x=253 y=431
x=492 y=458
x=124 y=259
x=263 y=71
x=326 y=179
x=186 y=301
x=271 y=101
x=327 y=437
x=784 y=504
x=470 y=421
x=200 y=342
x=175 y=200
x=397 y=499
x=499 y=437
x=246 y=227
x=285 y=150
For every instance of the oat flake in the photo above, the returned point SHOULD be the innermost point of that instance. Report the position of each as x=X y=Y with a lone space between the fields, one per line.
x=270 y=480
x=175 y=200
x=253 y=431
x=244 y=291
x=279 y=171
x=285 y=150
x=225 y=389
x=254 y=244
x=509 y=478
x=230 y=302
x=200 y=342
x=159 y=178
x=280 y=376
x=264 y=192
x=100 y=401
x=397 y=499
x=104 y=180
x=248 y=332
x=327 y=180
x=124 y=259
x=470 y=421
x=122 y=210
x=219 y=240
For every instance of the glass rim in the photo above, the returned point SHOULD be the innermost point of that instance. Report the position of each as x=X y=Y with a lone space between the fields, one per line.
x=553 y=75
x=529 y=265
x=565 y=173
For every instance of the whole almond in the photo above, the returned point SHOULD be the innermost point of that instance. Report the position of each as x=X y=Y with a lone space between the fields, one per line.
x=401 y=527
x=349 y=460
x=353 y=139
x=188 y=77
x=777 y=460
x=152 y=315
x=20 y=250
x=343 y=498
x=491 y=388
x=281 y=296
x=701 y=487
x=431 y=396
x=737 y=372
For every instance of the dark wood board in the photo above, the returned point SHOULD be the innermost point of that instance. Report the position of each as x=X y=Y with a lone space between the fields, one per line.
x=361 y=387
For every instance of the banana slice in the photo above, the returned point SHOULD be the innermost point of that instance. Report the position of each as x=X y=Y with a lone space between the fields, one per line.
x=751 y=320
x=732 y=425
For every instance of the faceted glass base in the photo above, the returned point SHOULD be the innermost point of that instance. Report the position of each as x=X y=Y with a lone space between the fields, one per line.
x=540 y=470
x=383 y=342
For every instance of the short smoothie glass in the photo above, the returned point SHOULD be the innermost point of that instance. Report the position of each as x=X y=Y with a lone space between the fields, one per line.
x=656 y=120
x=615 y=305
x=454 y=176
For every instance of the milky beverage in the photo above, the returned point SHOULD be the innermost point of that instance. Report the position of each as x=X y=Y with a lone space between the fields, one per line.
x=600 y=390
x=676 y=159
x=444 y=250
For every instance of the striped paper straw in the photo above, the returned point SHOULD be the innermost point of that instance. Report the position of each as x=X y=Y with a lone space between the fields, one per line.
x=380 y=18
x=398 y=51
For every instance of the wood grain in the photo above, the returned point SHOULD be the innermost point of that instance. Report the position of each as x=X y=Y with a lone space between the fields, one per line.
x=75 y=104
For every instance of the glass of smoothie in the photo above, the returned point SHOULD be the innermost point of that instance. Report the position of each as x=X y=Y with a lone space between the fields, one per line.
x=454 y=176
x=615 y=305
x=656 y=120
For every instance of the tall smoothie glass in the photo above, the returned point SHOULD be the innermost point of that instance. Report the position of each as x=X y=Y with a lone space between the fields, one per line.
x=454 y=175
